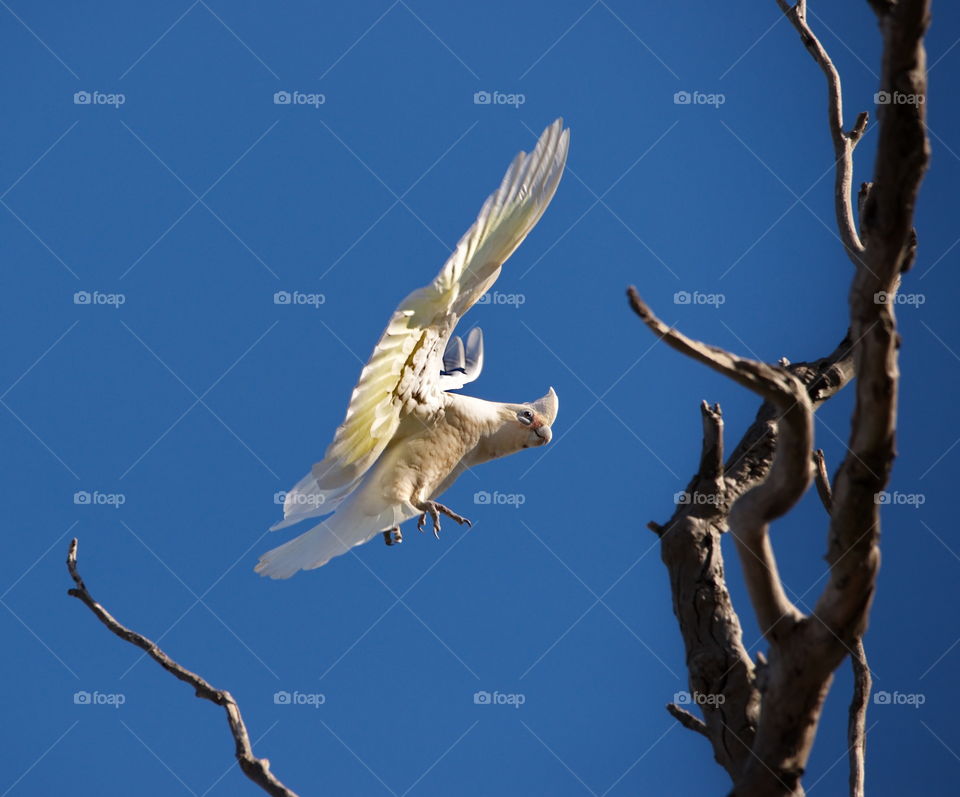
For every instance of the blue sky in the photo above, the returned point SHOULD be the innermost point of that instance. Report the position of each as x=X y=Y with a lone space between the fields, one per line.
x=182 y=397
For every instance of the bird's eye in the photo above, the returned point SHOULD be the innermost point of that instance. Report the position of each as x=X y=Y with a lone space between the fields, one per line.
x=525 y=417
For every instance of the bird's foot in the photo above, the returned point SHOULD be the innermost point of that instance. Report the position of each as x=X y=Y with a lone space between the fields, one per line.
x=435 y=509
x=431 y=508
x=393 y=536
x=459 y=519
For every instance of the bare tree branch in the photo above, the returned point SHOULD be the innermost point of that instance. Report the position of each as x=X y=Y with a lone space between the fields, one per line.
x=844 y=142
x=687 y=720
x=750 y=516
x=902 y=155
x=717 y=661
x=711 y=456
x=862 y=682
x=257 y=769
x=857 y=724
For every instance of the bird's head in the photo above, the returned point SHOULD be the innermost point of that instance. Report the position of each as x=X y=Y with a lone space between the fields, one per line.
x=531 y=423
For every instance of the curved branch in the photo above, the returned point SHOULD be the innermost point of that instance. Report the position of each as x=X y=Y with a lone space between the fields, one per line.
x=257 y=769
x=788 y=478
x=844 y=142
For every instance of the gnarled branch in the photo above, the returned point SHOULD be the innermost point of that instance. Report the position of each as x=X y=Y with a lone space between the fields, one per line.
x=750 y=516
x=717 y=661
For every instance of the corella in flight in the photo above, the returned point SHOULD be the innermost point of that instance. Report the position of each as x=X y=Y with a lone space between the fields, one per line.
x=406 y=438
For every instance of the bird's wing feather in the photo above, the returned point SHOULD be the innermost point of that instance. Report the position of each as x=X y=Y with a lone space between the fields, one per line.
x=402 y=376
x=506 y=218
x=462 y=363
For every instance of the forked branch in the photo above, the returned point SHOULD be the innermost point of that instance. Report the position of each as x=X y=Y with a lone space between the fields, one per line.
x=789 y=476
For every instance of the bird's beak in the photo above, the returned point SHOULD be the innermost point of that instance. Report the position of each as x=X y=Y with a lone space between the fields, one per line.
x=544 y=432
x=547 y=407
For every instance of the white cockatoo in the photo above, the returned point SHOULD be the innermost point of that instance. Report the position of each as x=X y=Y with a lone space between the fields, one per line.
x=405 y=438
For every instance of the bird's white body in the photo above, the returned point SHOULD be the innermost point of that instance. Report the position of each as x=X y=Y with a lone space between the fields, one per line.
x=406 y=439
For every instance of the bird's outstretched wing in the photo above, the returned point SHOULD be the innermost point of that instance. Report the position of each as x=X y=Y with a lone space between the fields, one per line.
x=403 y=375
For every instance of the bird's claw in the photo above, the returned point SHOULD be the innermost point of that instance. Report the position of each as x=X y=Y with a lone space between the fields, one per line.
x=431 y=508
x=459 y=519
x=435 y=510
x=393 y=536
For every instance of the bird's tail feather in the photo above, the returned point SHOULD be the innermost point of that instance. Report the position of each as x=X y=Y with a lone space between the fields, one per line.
x=308 y=500
x=332 y=537
x=311 y=549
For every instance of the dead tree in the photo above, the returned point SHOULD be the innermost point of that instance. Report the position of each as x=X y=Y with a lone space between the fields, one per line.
x=763 y=728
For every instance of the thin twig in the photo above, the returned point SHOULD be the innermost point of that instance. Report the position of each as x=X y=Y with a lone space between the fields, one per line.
x=844 y=142
x=856 y=726
x=257 y=769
